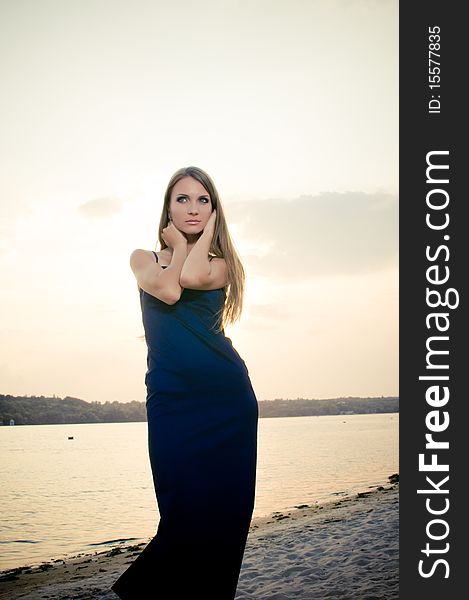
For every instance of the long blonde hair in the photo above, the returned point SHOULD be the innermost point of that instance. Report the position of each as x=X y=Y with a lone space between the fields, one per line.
x=221 y=246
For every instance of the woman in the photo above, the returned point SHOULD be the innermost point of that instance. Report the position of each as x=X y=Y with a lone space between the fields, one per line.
x=202 y=411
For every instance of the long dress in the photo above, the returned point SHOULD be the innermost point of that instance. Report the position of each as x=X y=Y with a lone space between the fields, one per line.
x=202 y=416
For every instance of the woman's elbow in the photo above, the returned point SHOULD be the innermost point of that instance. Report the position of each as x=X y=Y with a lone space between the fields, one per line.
x=168 y=296
x=171 y=299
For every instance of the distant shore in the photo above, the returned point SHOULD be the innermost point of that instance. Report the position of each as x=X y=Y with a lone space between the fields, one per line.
x=346 y=548
x=40 y=410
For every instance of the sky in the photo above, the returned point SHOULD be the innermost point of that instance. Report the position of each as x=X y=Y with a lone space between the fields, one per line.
x=291 y=106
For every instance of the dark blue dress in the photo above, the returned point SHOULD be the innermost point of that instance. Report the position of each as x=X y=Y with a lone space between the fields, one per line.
x=202 y=416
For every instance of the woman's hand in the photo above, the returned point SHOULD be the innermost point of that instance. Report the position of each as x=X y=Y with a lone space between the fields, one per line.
x=172 y=236
x=209 y=229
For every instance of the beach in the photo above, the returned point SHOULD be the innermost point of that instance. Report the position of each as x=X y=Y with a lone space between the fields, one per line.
x=344 y=549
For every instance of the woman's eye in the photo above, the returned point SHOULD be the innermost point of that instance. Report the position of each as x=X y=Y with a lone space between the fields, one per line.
x=182 y=198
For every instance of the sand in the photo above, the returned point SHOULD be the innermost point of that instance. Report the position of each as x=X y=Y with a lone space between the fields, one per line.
x=345 y=549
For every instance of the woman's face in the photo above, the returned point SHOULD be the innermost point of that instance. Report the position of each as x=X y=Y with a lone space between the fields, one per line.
x=190 y=201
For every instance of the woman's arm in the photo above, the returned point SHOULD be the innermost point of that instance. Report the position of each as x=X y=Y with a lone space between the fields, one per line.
x=197 y=266
x=160 y=283
x=215 y=279
x=198 y=271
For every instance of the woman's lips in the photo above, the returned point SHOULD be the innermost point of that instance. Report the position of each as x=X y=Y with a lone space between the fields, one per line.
x=192 y=222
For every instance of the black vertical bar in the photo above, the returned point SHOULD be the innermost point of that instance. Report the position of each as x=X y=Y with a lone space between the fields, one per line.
x=442 y=572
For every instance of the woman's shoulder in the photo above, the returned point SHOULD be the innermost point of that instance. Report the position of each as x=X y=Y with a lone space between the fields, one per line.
x=140 y=257
x=140 y=253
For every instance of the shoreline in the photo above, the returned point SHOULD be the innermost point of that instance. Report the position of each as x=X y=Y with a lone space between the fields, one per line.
x=123 y=543
x=312 y=550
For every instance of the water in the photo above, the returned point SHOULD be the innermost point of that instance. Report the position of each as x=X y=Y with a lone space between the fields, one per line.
x=63 y=496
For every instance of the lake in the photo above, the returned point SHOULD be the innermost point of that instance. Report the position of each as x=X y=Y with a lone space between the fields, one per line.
x=63 y=496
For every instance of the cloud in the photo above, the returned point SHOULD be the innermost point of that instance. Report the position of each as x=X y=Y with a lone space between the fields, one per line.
x=100 y=208
x=328 y=234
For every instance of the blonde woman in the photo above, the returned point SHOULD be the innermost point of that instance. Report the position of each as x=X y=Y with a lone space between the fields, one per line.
x=202 y=411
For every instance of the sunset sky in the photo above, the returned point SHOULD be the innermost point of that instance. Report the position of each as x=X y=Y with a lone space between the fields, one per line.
x=290 y=106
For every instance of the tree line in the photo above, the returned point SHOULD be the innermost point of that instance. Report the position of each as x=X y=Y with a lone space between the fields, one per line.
x=43 y=410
